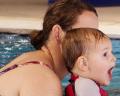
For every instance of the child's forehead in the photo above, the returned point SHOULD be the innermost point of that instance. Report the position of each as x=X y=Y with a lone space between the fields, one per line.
x=99 y=44
x=104 y=41
x=99 y=39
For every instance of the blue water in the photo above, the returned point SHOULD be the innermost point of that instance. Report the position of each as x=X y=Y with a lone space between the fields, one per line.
x=12 y=45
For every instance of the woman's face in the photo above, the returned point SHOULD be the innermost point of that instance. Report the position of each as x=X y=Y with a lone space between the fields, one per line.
x=86 y=19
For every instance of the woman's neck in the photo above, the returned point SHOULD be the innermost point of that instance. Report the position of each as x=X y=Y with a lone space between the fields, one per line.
x=56 y=58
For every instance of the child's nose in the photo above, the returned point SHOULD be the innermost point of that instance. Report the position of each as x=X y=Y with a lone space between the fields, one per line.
x=113 y=58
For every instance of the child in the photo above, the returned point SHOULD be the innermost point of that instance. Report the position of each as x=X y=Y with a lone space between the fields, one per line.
x=88 y=56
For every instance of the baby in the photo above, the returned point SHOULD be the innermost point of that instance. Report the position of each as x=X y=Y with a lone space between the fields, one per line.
x=88 y=56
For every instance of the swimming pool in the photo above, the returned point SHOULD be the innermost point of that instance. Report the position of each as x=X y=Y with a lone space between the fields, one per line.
x=12 y=45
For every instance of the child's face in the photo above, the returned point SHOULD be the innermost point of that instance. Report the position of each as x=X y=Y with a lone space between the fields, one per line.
x=101 y=61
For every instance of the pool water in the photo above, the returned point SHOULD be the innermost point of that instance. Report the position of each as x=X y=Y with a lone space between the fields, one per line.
x=12 y=45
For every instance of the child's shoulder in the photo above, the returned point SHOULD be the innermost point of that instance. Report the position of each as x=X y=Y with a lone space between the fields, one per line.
x=86 y=81
x=86 y=86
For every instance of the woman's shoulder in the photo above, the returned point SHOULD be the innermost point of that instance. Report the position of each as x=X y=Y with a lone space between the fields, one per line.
x=30 y=69
x=31 y=77
x=41 y=79
x=25 y=57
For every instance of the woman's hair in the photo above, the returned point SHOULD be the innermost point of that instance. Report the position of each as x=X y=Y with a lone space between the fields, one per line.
x=64 y=13
x=78 y=42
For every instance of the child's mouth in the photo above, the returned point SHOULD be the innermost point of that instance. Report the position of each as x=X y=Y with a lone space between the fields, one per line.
x=110 y=73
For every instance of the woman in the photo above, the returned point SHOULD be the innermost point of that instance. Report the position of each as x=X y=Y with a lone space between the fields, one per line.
x=28 y=74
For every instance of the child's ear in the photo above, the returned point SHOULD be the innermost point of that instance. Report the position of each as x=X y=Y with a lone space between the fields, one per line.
x=82 y=63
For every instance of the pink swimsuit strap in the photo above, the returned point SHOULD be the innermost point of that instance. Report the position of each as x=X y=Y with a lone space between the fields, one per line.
x=19 y=65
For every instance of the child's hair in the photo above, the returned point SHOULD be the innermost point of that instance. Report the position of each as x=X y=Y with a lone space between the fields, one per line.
x=77 y=42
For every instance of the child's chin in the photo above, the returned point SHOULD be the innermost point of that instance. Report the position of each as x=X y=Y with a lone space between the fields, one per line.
x=106 y=83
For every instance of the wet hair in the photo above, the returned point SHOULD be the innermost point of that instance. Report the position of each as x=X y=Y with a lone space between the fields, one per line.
x=78 y=42
x=64 y=13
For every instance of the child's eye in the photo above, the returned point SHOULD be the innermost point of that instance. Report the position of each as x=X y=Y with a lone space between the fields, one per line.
x=105 y=54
